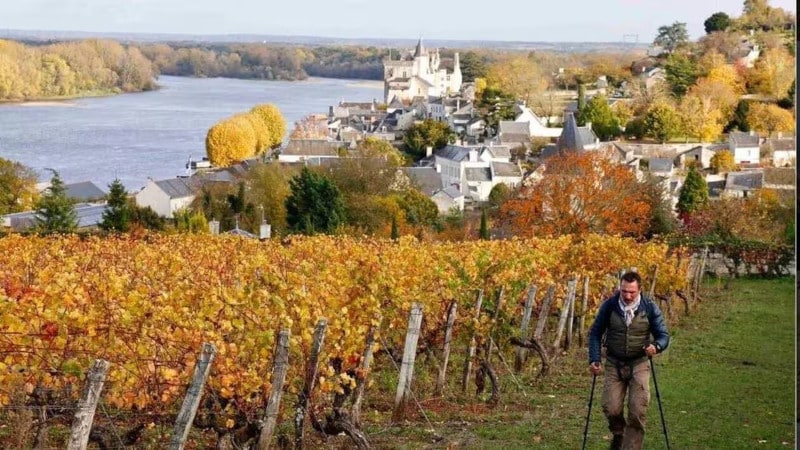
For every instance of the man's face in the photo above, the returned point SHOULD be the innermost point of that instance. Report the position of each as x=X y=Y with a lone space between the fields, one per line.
x=629 y=291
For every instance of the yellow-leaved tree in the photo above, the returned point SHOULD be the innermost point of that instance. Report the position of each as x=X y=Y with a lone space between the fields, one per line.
x=769 y=118
x=700 y=119
x=274 y=122
x=517 y=75
x=773 y=73
x=723 y=161
x=230 y=140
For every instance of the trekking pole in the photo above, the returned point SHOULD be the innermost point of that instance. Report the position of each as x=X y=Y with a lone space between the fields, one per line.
x=658 y=396
x=589 y=413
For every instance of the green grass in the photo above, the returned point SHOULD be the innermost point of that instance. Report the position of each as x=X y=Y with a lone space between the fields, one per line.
x=727 y=381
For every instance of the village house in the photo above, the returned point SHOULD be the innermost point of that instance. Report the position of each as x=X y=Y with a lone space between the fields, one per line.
x=89 y=215
x=475 y=170
x=743 y=184
x=746 y=147
x=166 y=197
x=448 y=199
x=299 y=150
x=783 y=150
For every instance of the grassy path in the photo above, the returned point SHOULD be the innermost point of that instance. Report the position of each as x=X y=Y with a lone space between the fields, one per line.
x=727 y=382
x=729 y=379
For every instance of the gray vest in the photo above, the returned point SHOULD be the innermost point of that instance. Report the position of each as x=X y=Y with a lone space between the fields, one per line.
x=626 y=344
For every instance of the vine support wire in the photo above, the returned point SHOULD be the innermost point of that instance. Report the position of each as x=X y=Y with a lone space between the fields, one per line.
x=511 y=372
x=411 y=392
x=111 y=422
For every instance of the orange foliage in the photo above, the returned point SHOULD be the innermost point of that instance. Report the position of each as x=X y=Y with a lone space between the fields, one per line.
x=580 y=192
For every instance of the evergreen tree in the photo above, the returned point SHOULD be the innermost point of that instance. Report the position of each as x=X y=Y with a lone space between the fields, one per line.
x=55 y=212
x=579 y=117
x=718 y=21
x=605 y=123
x=484 y=231
x=395 y=229
x=314 y=204
x=117 y=215
x=693 y=193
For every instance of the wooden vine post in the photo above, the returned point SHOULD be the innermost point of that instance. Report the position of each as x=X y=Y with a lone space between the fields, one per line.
x=472 y=344
x=192 y=400
x=310 y=380
x=279 y=369
x=522 y=352
x=544 y=313
x=407 y=366
x=84 y=413
x=448 y=335
x=366 y=361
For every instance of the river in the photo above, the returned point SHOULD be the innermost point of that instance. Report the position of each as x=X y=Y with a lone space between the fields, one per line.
x=152 y=134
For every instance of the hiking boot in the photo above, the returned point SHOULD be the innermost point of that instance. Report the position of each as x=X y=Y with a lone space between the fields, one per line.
x=616 y=442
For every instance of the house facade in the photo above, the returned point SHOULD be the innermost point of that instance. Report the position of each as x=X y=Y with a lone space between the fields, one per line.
x=166 y=197
x=746 y=147
x=475 y=170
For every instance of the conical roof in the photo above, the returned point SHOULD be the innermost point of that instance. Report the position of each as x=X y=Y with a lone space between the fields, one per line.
x=420 y=50
x=570 y=138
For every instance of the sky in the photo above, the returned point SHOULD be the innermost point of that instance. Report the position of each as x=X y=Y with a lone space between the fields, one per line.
x=497 y=20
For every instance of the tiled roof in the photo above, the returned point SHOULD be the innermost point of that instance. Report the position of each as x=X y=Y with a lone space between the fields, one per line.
x=744 y=181
x=780 y=176
x=426 y=179
x=574 y=137
x=499 y=151
x=175 y=187
x=478 y=174
x=451 y=192
x=504 y=169
x=660 y=165
x=740 y=140
x=453 y=153
x=786 y=144
x=313 y=147
x=84 y=191
x=510 y=126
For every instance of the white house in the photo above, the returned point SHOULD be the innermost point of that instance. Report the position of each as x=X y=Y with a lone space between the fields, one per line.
x=447 y=199
x=536 y=126
x=297 y=150
x=475 y=170
x=745 y=147
x=784 y=151
x=166 y=197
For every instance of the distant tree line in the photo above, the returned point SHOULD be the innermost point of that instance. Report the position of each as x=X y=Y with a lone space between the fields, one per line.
x=70 y=69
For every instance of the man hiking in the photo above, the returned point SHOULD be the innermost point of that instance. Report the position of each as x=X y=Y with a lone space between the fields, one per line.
x=628 y=319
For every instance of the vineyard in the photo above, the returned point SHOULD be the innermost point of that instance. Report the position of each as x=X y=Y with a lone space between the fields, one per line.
x=147 y=304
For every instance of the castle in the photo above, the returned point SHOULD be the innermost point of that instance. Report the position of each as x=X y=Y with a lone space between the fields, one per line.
x=419 y=76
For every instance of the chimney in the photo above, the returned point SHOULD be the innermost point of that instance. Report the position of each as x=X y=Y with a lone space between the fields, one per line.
x=428 y=151
x=752 y=133
x=265 y=230
x=473 y=155
x=330 y=111
x=213 y=227
x=438 y=168
x=780 y=134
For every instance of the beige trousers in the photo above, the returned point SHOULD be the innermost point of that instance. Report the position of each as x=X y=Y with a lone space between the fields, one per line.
x=637 y=385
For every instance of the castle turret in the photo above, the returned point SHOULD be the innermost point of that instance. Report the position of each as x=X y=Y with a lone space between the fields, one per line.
x=420 y=50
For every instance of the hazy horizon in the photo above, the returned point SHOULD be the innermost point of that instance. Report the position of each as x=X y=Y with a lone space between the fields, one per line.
x=576 y=21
